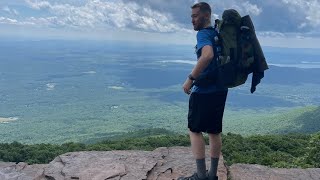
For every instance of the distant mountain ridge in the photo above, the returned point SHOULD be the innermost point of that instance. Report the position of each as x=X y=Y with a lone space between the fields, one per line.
x=307 y=122
x=303 y=120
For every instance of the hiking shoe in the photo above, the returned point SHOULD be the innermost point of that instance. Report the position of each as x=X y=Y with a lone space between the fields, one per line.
x=215 y=178
x=193 y=177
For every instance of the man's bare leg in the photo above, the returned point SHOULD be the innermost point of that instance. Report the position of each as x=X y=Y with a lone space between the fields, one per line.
x=215 y=145
x=198 y=150
x=215 y=150
x=197 y=145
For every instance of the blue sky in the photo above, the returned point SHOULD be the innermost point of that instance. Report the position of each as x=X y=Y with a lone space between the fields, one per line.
x=285 y=23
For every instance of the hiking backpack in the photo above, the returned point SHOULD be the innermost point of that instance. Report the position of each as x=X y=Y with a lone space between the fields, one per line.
x=239 y=52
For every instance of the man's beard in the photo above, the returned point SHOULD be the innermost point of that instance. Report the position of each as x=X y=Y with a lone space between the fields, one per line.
x=201 y=24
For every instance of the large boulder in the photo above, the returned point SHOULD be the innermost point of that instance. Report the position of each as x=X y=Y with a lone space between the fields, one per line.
x=258 y=172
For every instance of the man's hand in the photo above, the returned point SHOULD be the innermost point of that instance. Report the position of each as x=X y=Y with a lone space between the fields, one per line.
x=187 y=86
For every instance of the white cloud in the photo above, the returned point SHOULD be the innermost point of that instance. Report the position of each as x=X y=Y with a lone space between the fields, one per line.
x=4 y=20
x=251 y=8
x=271 y=34
x=310 y=9
x=48 y=21
x=111 y=14
x=50 y=86
x=214 y=16
x=38 y=4
x=10 y=11
x=242 y=6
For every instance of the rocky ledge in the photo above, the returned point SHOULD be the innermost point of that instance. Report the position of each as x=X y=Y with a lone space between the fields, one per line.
x=160 y=164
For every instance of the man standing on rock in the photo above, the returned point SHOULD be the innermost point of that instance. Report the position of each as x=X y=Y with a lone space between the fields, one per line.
x=207 y=100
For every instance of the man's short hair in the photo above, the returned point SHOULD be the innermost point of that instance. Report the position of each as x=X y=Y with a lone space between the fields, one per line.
x=204 y=7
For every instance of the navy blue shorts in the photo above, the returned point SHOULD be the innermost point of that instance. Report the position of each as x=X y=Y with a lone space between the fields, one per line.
x=206 y=112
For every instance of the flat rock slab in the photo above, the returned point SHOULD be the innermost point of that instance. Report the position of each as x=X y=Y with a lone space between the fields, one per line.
x=258 y=172
x=21 y=171
x=160 y=164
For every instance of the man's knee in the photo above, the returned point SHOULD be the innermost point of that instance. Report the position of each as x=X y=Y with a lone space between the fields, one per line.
x=214 y=134
x=195 y=133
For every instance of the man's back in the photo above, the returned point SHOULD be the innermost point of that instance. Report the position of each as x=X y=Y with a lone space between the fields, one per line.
x=206 y=36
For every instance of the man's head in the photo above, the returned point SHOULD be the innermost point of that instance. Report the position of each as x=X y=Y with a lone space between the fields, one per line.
x=201 y=15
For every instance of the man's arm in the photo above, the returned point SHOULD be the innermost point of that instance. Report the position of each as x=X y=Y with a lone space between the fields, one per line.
x=203 y=61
